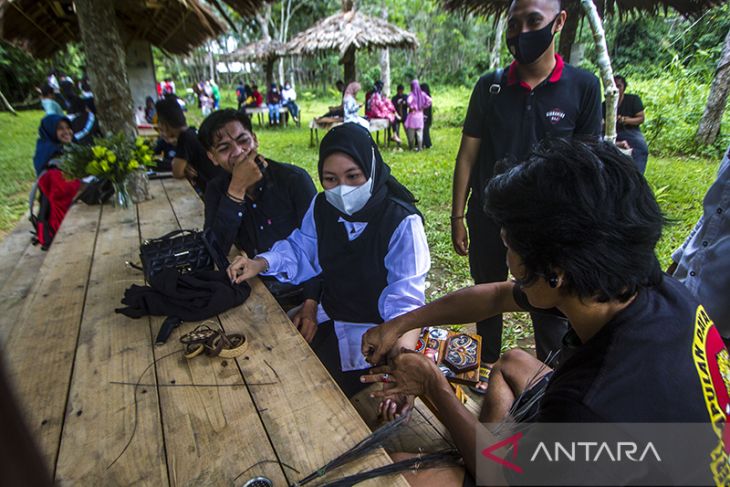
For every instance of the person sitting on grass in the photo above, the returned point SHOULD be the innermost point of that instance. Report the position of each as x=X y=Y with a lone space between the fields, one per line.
x=258 y=201
x=365 y=237
x=640 y=347
x=191 y=159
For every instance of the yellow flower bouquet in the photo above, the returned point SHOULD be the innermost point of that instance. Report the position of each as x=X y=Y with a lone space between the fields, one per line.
x=113 y=157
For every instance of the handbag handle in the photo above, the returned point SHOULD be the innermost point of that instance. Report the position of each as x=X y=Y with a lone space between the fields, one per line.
x=174 y=233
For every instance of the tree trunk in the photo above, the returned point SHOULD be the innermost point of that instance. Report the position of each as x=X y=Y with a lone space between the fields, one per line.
x=348 y=60
x=494 y=59
x=269 y=67
x=604 y=63
x=716 y=100
x=385 y=60
x=7 y=104
x=106 y=65
x=570 y=29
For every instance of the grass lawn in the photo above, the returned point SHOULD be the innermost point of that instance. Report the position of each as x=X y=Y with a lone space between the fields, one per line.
x=679 y=183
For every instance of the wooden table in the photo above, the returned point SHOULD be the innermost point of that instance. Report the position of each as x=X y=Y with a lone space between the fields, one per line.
x=273 y=411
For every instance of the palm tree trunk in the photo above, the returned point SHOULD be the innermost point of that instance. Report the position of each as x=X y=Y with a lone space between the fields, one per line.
x=716 y=100
x=106 y=64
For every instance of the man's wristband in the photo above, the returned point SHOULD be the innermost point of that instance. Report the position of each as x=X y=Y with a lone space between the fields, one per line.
x=457 y=218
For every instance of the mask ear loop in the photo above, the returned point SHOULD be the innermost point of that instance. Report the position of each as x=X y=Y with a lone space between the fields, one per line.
x=372 y=169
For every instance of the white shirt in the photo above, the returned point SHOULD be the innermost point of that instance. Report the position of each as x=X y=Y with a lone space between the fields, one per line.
x=296 y=259
x=289 y=94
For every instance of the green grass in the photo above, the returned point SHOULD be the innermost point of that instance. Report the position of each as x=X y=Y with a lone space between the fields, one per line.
x=680 y=183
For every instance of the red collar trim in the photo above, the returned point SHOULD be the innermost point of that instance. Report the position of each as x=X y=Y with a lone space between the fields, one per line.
x=554 y=76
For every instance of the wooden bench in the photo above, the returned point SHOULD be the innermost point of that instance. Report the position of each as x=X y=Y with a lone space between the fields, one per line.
x=107 y=407
x=377 y=125
x=263 y=110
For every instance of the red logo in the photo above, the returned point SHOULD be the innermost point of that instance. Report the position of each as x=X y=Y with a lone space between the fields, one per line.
x=512 y=440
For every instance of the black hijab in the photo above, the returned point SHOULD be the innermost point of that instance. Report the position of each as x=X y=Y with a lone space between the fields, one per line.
x=355 y=141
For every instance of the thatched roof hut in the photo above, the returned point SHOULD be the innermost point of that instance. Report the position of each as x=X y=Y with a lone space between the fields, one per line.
x=688 y=8
x=44 y=26
x=263 y=51
x=347 y=32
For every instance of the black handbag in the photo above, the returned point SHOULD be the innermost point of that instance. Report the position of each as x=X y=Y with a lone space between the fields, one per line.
x=184 y=250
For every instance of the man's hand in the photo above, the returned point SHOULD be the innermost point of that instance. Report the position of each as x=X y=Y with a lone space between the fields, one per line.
x=459 y=236
x=378 y=341
x=190 y=171
x=243 y=268
x=411 y=374
x=306 y=319
x=244 y=174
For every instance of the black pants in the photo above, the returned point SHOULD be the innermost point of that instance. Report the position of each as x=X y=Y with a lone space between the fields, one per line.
x=327 y=348
x=488 y=263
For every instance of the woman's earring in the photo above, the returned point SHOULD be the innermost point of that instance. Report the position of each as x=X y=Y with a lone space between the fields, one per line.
x=553 y=281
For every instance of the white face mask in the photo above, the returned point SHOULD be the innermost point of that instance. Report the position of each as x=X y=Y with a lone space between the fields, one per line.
x=351 y=199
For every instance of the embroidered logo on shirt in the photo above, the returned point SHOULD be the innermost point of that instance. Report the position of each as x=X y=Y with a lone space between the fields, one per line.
x=555 y=115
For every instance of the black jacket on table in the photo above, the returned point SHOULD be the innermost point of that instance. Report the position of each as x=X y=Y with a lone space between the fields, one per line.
x=283 y=197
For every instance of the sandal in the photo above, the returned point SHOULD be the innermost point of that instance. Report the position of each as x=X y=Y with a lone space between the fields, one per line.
x=484 y=370
x=214 y=343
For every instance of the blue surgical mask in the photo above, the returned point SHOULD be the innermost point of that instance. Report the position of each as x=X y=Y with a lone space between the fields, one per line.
x=351 y=199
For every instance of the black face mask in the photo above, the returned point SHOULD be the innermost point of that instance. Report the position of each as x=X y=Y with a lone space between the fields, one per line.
x=527 y=47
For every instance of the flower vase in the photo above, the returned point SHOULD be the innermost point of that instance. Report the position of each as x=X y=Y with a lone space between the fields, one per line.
x=138 y=184
x=121 y=196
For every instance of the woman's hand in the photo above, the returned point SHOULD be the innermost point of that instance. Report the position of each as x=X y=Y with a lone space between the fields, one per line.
x=243 y=268
x=306 y=319
x=391 y=409
x=410 y=374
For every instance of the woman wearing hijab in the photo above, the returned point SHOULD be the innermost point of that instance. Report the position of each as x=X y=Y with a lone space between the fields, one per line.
x=351 y=107
x=427 y=118
x=54 y=132
x=364 y=237
x=380 y=106
x=418 y=101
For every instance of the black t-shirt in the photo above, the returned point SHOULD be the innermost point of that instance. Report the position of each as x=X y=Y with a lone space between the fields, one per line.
x=659 y=360
x=512 y=121
x=284 y=196
x=400 y=102
x=630 y=106
x=191 y=150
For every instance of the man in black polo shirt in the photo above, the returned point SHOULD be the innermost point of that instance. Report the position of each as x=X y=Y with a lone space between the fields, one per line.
x=190 y=160
x=256 y=201
x=509 y=112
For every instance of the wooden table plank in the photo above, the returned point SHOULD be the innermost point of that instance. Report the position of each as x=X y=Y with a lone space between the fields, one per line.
x=13 y=246
x=212 y=433
x=102 y=417
x=40 y=352
x=308 y=419
x=16 y=287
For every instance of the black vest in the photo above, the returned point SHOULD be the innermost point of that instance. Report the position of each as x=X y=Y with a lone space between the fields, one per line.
x=354 y=272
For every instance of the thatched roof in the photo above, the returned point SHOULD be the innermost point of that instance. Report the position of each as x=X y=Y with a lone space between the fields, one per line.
x=45 y=26
x=259 y=51
x=688 y=8
x=343 y=30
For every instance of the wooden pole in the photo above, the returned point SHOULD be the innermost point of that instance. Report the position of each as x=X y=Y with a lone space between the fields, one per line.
x=604 y=63
x=7 y=104
x=348 y=60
